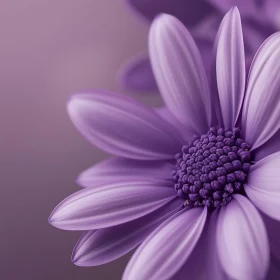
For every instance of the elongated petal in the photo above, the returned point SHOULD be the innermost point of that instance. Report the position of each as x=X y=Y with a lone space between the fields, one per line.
x=263 y=186
x=138 y=75
x=179 y=72
x=185 y=131
x=122 y=126
x=204 y=263
x=269 y=147
x=165 y=251
x=261 y=111
x=124 y=170
x=242 y=241
x=111 y=205
x=105 y=245
x=230 y=65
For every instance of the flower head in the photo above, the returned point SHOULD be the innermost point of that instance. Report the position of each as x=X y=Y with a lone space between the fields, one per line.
x=188 y=179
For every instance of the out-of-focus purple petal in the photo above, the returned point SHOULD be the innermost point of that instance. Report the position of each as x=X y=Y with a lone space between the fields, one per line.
x=188 y=11
x=247 y=7
x=124 y=170
x=137 y=75
x=242 y=240
x=272 y=10
x=204 y=263
x=185 y=131
x=270 y=147
x=180 y=73
x=166 y=249
x=263 y=186
x=261 y=110
x=122 y=126
x=105 y=245
x=230 y=65
x=111 y=205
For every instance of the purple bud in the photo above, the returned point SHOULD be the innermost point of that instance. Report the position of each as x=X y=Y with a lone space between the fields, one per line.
x=210 y=145
x=204 y=193
x=217 y=203
x=230 y=178
x=185 y=149
x=238 y=142
x=220 y=145
x=194 y=196
x=213 y=165
x=206 y=153
x=229 y=188
x=227 y=149
x=221 y=171
x=237 y=165
x=216 y=185
x=224 y=159
x=213 y=130
x=177 y=156
x=235 y=149
x=236 y=131
x=228 y=134
x=244 y=146
x=240 y=175
x=238 y=186
x=194 y=189
x=212 y=138
x=222 y=180
x=207 y=202
x=185 y=178
x=232 y=156
x=213 y=157
x=212 y=175
x=220 y=138
x=245 y=156
x=180 y=193
x=246 y=167
x=204 y=178
x=228 y=142
x=207 y=186
x=219 y=152
x=226 y=195
x=218 y=195
x=177 y=187
x=229 y=167
x=186 y=188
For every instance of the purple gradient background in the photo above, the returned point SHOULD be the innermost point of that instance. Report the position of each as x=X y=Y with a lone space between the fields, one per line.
x=50 y=49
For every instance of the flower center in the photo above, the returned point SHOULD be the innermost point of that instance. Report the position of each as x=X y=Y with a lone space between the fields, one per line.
x=212 y=168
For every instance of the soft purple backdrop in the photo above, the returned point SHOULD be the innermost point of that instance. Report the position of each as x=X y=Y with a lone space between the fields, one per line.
x=50 y=49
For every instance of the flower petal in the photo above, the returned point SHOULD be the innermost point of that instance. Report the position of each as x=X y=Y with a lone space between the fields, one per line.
x=269 y=147
x=230 y=65
x=105 y=245
x=138 y=75
x=185 y=132
x=263 y=186
x=111 y=205
x=180 y=73
x=118 y=169
x=122 y=126
x=242 y=240
x=165 y=251
x=203 y=263
x=150 y=9
x=261 y=111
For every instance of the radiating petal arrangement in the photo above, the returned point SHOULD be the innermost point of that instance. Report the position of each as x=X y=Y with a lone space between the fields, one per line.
x=194 y=183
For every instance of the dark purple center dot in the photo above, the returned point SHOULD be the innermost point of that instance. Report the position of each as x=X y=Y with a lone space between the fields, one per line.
x=212 y=168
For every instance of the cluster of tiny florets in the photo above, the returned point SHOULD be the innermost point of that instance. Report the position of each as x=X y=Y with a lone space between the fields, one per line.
x=212 y=168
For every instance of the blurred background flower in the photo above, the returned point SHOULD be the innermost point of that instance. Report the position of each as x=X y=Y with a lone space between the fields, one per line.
x=260 y=19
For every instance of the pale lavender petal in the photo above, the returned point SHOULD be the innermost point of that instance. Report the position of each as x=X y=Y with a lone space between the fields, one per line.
x=204 y=263
x=230 y=65
x=111 y=205
x=247 y=7
x=166 y=249
x=179 y=8
x=122 y=126
x=242 y=240
x=261 y=110
x=124 y=170
x=185 y=131
x=263 y=186
x=137 y=75
x=273 y=232
x=180 y=73
x=270 y=147
x=105 y=245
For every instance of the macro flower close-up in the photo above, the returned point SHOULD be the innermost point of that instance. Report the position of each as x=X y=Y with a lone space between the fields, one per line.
x=194 y=183
x=260 y=19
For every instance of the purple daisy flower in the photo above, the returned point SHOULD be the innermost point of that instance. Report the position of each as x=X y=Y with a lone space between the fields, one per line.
x=202 y=17
x=187 y=179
